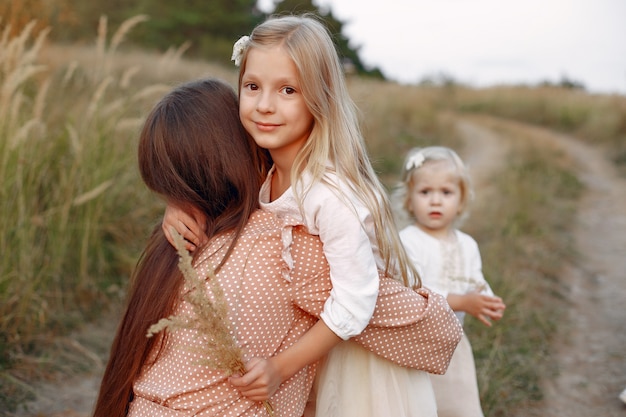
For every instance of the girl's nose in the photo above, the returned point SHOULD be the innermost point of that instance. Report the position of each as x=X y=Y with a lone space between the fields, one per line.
x=265 y=103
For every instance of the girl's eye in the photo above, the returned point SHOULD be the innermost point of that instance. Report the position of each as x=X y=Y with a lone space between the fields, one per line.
x=289 y=90
x=251 y=86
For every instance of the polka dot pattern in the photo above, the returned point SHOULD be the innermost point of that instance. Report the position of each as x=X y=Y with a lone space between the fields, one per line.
x=266 y=319
x=412 y=328
x=273 y=300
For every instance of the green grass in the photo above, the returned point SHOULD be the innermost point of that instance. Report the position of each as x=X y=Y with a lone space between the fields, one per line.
x=524 y=240
x=597 y=119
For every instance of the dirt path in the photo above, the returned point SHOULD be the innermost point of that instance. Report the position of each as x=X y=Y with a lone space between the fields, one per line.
x=591 y=349
x=74 y=396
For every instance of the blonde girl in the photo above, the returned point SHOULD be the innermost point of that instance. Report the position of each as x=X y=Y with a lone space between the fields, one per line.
x=325 y=160
x=294 y=103
x=436 y=193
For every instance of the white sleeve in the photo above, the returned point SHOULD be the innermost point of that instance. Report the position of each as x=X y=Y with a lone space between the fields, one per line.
x=350 y=252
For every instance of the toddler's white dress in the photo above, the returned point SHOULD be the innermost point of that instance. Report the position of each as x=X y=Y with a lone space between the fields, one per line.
x=451 y=267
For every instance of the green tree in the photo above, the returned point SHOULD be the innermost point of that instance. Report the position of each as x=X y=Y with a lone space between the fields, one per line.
x=348 y=54
x=210 y=26
x=74 y=20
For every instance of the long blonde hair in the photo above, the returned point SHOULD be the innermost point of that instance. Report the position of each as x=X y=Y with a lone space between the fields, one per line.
x=336 y=136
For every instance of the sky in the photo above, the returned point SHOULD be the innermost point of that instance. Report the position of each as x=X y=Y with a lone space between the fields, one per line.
x=489 y=42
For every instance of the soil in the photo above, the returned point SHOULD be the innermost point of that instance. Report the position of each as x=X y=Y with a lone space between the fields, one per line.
x=589 y=350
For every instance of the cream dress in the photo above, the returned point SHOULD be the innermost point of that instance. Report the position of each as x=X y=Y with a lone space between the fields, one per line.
x=354 y=382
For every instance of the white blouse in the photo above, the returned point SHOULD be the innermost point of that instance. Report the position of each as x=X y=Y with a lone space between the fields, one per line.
x=346 y=229
x=446 y=267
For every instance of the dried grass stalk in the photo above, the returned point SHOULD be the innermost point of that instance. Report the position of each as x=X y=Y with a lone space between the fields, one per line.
x=210 y=319
x=123 y=30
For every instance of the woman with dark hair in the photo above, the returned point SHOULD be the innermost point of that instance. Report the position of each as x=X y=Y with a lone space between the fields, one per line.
x=194 y=152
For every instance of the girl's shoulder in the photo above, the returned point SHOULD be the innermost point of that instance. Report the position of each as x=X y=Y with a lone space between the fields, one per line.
x=466 y=240
x=418 y=244
x=415 y=233
x=330 y=189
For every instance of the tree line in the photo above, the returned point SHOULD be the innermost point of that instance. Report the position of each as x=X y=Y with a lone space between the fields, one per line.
x=210 y=27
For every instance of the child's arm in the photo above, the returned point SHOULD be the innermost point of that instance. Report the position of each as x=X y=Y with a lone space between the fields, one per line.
x=484 y=307
x=264 y=376
x=346 y=229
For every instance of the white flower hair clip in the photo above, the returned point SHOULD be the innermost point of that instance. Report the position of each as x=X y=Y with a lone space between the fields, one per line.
x=238 y=49
x=415 y=161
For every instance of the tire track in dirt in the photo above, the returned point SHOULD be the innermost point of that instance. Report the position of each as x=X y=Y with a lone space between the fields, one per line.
x=590 y=348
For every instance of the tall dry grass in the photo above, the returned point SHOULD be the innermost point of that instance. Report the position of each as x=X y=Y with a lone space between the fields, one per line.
x=73 y=212
x=396 y=118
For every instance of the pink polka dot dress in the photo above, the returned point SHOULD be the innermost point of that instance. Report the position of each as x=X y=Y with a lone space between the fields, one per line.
x=266 y=316
x=276 y=282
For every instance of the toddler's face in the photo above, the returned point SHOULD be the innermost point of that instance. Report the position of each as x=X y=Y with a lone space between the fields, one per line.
x=435 y=197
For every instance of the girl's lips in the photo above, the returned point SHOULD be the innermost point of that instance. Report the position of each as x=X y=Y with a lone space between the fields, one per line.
x=266 y=127
x=435 y=214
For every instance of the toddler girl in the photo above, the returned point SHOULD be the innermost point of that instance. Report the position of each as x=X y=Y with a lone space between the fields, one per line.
x=437 y=191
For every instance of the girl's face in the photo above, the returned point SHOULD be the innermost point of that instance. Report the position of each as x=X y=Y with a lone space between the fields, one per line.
x=272 y=107
x=435 y=197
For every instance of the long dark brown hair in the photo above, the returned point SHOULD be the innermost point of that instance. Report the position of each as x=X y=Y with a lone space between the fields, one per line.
x=194 y=152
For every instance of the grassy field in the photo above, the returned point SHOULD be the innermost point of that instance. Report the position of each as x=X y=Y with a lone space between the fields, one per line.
x=74 y=213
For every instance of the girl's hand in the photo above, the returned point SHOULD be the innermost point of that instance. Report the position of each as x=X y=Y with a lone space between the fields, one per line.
x=264 y=376
x=190 y=226
x=260 y=382
x=484 y=307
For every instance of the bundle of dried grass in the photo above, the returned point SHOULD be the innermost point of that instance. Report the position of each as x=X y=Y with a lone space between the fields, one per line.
x=209 y=319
